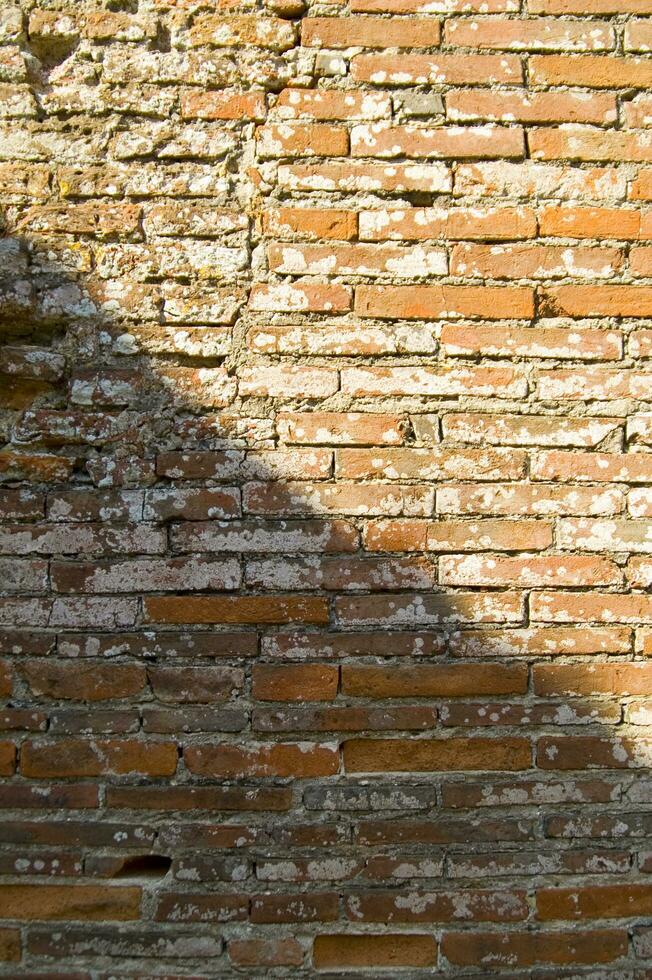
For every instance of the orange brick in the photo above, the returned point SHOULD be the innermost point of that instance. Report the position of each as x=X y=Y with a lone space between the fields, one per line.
x=309 y=297
x=340 y=428
x=529 y=35
x=530 y=107
x=486 y=142
x=369 y=32
x=464 y=340
x=450 y=535
x=613 y=300
x=529 y=570
x=594 y=467
x=490 y=224
x=296 y=140
x=448 y=302
x=638 y=36
x=296 y=103
x=223 y=105
x=589 y=143
x=425 y=6
x=357 y=259
x=357 y=176
x=534 y=261
x=590 y=607
x=235 y=30
x=591 y=71
x=438 y=69
x=576 y=679
x=570 y=222
x=590 y=7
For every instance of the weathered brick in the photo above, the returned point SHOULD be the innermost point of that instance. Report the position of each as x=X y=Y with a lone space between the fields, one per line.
x=336 y=951
x=69 y=902
x=305 y=682
x=459 y=680
x=76 y=757
x=325 y=518
x=90 y=681
x=265 y=952
x=225 y=105
x=355 y=175
x=464 y=223
x=297 y=759
x=529 y=35
x=404 y=755
x=530 y=949
x=312 y=223
x=446 y=69
x=598 y=902
x=482 y=142
x=447 y=302
x=289 y=140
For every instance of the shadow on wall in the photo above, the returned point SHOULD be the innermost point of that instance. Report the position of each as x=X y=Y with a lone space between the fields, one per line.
x=243 y=711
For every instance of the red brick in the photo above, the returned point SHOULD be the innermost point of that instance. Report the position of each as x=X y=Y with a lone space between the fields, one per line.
x=304 y=682
x=265 y=952
x=598 y=902
x=442 y=755
x=297 y=759
x=478 y=906
x=529 y=949
x=88 y=681
x=75 y=757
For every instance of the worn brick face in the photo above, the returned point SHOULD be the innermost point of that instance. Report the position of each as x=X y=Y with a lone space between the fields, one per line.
x=325 y=506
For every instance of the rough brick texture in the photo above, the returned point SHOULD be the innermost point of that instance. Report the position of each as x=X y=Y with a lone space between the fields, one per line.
x=325 y=507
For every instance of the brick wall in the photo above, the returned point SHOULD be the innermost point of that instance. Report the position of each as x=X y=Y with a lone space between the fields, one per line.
x=325 y=441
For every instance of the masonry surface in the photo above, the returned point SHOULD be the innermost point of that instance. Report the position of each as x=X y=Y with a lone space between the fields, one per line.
x=325 y=489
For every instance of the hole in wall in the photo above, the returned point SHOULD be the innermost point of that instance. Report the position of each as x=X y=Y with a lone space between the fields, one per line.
x=144 y=866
